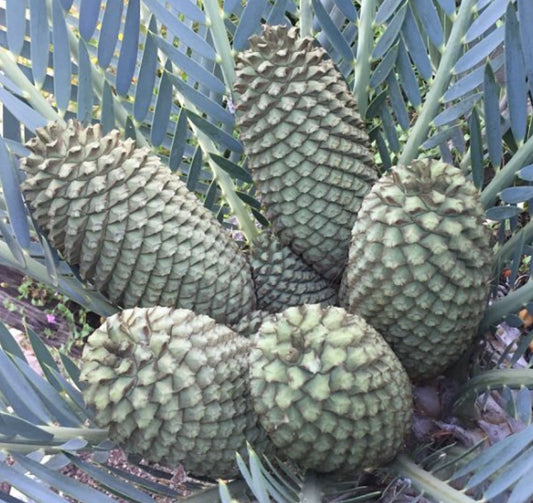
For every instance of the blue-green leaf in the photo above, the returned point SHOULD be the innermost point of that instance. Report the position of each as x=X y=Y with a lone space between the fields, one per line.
x=495 y=458
x=397 y=102
x=233 y=7
x=120 y=487
x=193 y=69
x=332 y=32
x=384 y=68
x=476 y=149
x=491 y=104
x=61 y=57
x=448 y=6
x=456 y=111
x=10 y=126
x=523 y=405
x=89 y=12
x=9 y=344
x=40 y=39
x=486 y=19
x=347 y=8
x=376 y=104
x=464 y=85
x=216 y=134
x=195 y=169
x=249 y=200
x=481 y=4
x=213 y=110
x=514 y=195
x=210 y=196
x=15 y=206
x=144 y=92
x=15 y=25
x=441 y=137
x=179 y=141
x=515 y=73
x=85 y=86
x=383 y=151
x=415 y=44
x=28 y=486
x=522 y=466
x=107 y=109
x=480 y=51
x=181 y=30
x=23 y=112
x=390 y=129
x=109 y=31
x=11 y=242
x=129 y=129
x=526 y=173
x=129 y=48
x=189 y=9
x=386 y=9
x=43 y=355
x=429 y=18
x=250 y=23
x=277 y=13
x=163 y=106
x=50 y=260
x=522 y=491
x=73 y=393
x=499 y=213
x=19 y=394
x=390 y=35
x=61 y=413
x=233 y=169
x=408 y=78
x=525 y=15
x=67 y=485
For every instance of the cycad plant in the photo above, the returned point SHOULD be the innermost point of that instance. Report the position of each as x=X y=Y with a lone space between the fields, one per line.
x=430 y=79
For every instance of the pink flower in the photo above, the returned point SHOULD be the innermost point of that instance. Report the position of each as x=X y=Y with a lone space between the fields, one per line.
x=50 y=318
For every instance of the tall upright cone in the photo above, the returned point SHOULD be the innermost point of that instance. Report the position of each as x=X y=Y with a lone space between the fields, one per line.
x=420 y=264
x=132 y=227
x=306 y=144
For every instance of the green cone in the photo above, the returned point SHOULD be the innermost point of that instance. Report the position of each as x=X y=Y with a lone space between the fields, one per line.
x=328 y=390
x=307 y=147
x=131 y=226
x=283 y=280
x=172 y=386
x=249 y=325
x=420 y=264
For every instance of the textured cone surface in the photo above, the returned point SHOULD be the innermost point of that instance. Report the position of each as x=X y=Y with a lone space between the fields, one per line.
x=283 y=280
x=132 y=227
x=172 y=386
x=249 y=325
x=306 y=145
x=420 y=264
x=328 y=389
